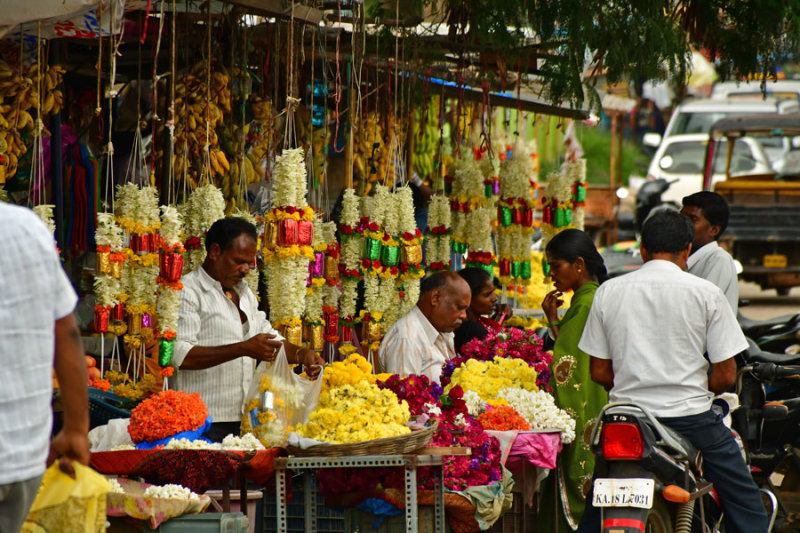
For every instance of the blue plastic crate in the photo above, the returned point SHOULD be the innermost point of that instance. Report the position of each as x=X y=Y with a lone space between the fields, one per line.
x=104 y=406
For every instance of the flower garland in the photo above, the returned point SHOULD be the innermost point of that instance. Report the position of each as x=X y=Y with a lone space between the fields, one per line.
x=515 y=216
x=252 y=276
x=331 y=291
x=137 y=212
x=479 y=240
x=205 y=205
x=379 y=262
x=108 y=287
x=564 y=201
x=165 y=414
x=357 y=413
x=287 y=250
x=437 y=244
x=349 y=260
x=467 y=195
x=314 y=289
x=539 y=409
x=511 y=343
x=411 y=268
x=45 y=213
x=169 y=294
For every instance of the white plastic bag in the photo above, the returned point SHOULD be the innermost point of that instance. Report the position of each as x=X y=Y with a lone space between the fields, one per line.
x=278 y=401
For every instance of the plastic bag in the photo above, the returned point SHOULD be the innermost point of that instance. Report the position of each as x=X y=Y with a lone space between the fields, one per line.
x=66 y=505
x=278 y=401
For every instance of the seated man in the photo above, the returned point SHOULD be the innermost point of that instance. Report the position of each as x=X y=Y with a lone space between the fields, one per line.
x=709 y=212
x=221 y=332
x=646 y=334
x=422 y=340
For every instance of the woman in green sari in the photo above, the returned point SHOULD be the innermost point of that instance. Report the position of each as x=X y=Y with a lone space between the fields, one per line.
x=575 y=265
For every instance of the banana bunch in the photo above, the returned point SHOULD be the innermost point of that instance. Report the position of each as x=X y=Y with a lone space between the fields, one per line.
x=371 y=146
x=12 y=148
x=200 y=108
x=426 y=146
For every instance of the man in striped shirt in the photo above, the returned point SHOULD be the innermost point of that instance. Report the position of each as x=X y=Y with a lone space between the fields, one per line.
x=221 y=332
x=422 y=340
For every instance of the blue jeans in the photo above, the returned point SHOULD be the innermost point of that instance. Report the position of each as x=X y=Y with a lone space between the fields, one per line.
x=723 y=465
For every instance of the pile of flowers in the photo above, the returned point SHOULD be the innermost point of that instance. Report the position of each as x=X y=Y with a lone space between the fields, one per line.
x=539 y=409
x=511 y=343
x=165 y=414
x=503 y=418
x=488 y=378
x=357 y=413
x=349 y=372
x=170 y=492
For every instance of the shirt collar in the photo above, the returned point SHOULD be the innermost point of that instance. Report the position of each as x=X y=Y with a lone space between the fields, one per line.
x=660 y=264
x=701 y=253
x=430 y=332
x=210 y=284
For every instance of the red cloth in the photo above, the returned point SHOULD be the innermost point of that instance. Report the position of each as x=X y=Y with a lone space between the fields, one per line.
x=198 y=470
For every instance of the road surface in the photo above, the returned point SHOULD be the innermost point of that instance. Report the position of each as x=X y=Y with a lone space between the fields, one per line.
x=767 y=304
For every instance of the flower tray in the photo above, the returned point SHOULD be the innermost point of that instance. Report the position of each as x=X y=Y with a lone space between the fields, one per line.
x=402 y=444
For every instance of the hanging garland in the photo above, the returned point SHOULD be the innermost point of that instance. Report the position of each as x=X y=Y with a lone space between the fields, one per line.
x=330 y=291
x=289 y=233
x=253 y=274
x=437 y=242
x=411 y=267
x=315 y=282
x=205 y=205
x=170 y=286
x=108 y=289
x=379 y=263
x=515 y=216
x=349 y=260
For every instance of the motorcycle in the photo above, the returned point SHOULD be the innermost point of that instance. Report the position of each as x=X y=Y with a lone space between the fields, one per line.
x=779 y=334
x=648 y=476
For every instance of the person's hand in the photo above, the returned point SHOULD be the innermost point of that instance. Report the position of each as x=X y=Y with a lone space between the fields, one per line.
x=552 y=301
x=262 y=347
x=312 y=363
x=69 y=446
x=504 y=311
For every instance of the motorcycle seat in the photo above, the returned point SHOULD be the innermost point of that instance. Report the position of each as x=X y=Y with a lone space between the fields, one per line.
x=760 y=327
x=754 y=354
x=688 y=450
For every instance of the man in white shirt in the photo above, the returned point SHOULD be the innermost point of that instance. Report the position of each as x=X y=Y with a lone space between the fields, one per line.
x=221 y=332
x=38 y=332
x=422 y=340
x=647 y=332
x=709 y=213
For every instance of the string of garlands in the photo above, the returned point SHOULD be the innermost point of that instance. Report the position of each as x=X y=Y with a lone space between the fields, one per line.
x=330 y=291
x=515 y=216
x=349 y=260
x=378 y=264
x=564 y=201
x=467 y=195
x=205 y=205
x=287 y=250
x=110 y=307
x=315 y=282
x=439 y=230
x=411 y=267
x=169 y=286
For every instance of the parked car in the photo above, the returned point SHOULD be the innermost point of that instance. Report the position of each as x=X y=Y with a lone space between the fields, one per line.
x=680 y=160
x=697 y=116
x=785 y=89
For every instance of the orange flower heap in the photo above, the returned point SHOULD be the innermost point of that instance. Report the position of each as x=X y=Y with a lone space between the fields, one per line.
x=503 y=418
x=165 y=414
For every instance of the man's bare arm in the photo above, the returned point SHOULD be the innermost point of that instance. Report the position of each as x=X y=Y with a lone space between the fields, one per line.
x=723 y=376
x=602 y=372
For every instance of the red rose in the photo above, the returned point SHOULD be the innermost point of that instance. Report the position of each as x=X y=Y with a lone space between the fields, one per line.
x=365 y=264
x=394 y=271
x=377 y=264
x=347 y=230
x=408 y=235
x=418 y=233
x=373 y=226
x=456 y=392
x=403 y=267
x=402 y=294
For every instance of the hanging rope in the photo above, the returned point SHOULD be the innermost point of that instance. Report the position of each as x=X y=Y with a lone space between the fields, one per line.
x=36 y=183
x=171 y=110
x=292 y=103
x=206 y=174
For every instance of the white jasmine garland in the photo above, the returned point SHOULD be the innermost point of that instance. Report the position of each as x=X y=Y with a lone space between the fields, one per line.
x=579 y=218
x=205 y=205
x=170 y=492
x=351 y=253
x=475 y=406
x=350 y=214
x=168 y=309
x=106 y=290
x=479 y=236
x=521 y=244
x=382 y=206
x=108 y=233
x=347 y=301
x=559 y=187
x=45 y=212
x=187 y=444
x=468 y=180
x=289 y=179
x=516 y=173
x=490 y=166
x=286 y=287
x=171 y=225
x=313 y=310
x=247 y=442
x=459 y=226
x=540 y=411
x=404 y=199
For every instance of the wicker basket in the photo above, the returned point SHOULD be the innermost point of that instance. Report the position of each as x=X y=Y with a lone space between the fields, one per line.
x=408 y=443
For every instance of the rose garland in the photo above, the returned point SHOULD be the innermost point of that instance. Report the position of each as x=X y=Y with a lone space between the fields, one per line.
x=289 y=233
x=108 y=288
x=137 y=212
x=437 y=244
x=515 y=216
x=170 y=286
x=205 y=205
x=349 y=260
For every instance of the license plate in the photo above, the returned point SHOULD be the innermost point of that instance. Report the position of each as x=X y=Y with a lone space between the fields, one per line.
x=623 y=492
x=775 y=261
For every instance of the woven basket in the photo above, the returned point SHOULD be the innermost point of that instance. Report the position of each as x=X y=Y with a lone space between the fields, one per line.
x=402 y=444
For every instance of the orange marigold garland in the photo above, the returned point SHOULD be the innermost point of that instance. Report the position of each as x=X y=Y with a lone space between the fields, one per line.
x=503 y=418
x=165 y=414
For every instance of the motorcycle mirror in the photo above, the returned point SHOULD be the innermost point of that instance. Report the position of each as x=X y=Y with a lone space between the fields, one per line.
x=622 y=193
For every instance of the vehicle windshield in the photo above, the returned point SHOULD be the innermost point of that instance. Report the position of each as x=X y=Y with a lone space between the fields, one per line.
x=687 y=157
x=701 y=122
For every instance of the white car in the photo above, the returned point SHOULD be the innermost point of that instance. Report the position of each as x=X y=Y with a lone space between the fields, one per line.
x=680 y=160
x=786 y=89
x=697 y=116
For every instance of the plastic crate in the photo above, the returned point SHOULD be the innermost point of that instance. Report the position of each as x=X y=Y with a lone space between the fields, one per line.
x=329 y=520
x=204 y=523
x=104 y=406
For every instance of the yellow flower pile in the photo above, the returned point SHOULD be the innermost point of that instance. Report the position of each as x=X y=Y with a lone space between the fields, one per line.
x=488 y=378
x=349 y=372
x=356 y=413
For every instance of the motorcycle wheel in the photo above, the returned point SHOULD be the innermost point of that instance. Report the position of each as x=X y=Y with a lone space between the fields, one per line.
x=659 y=519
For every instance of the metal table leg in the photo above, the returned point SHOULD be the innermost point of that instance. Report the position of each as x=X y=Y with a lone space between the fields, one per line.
x=280 y=499
x=310 y=501
x=412 y=521
x=438 y=501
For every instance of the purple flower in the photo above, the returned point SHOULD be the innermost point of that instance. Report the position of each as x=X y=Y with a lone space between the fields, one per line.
x=474 y=463
x=436 y=389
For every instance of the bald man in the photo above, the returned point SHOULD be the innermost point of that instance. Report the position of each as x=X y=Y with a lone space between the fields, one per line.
x=422 y=340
